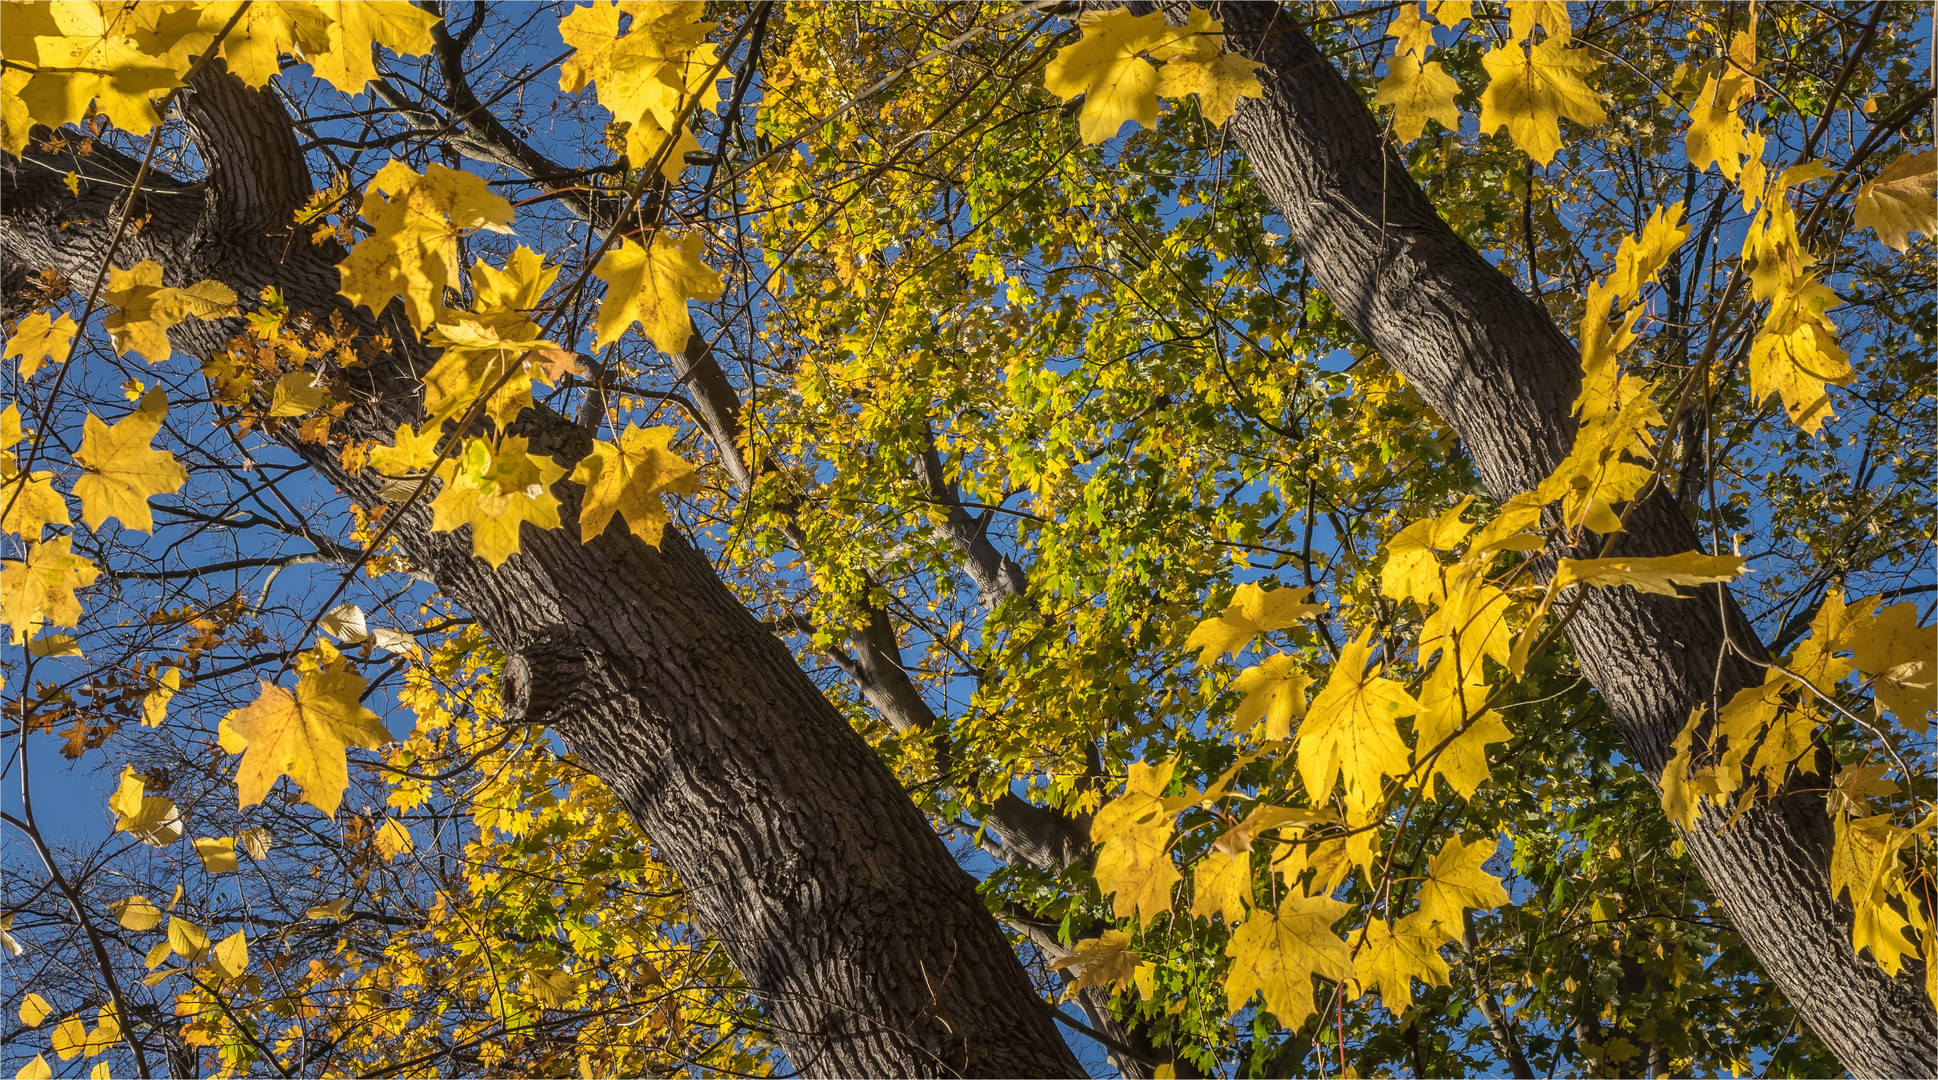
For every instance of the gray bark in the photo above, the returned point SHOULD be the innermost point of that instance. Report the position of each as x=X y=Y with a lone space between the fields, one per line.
x=1493 y=364
x=868 y=947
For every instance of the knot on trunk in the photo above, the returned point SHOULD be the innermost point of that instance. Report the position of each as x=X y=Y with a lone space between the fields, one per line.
x=542 y=678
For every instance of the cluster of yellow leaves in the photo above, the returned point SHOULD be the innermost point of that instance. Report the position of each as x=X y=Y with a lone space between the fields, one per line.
x=1109 y=69
x=67 y=58
x=1608 y=463
x=1275 y=950
x=1717 y=134
x=1478 y=628
x=1420 y=89
x=1532 y=85
x=648 y=75
x=416 y=221
x=1794 y=354
x=71 y=1037
x=493 y=351
x=120 y=472
x=1762 y=731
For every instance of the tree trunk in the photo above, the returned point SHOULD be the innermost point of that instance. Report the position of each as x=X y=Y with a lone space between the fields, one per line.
x=1493 y=364
x=867 y=946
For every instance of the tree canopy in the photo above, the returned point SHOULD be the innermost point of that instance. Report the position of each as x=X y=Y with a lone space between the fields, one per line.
x=743 y=538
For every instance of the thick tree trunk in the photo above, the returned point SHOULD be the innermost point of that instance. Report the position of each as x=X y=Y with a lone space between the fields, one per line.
x=867 y=945
x=1494 y=365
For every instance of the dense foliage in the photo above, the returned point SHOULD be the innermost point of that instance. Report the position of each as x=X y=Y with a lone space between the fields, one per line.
x=1041 y=448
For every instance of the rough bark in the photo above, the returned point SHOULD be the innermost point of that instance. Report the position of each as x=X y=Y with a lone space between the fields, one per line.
x=866 y=944
x=1496 y=368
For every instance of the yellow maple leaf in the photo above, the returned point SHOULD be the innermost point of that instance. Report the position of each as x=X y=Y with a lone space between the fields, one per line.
x=1274 y=696
x=29 y=502
x=1107 y=68
x=120 y=471
x=1219 y=82
x=1105 y=961
x=1277 y=953
x=137 y=913
x=627 y=477
x=354 y=26
x=1392 y=956
x=1529 y=93
x=1795 y=354
x=1658 y=574
x=646 y=75
x=1447 y=702
x=1222 y=885
x=218 y=854
x=412 y=252
x=1902 y=659
x=86 y=54
x=1901 y=199
x=393 y=840
x=651 y=285
x=38 y=340
x=1550 y=15
x=1349 y=729
x=254 y=45
x=1253 y=610
x=305 y=736
x=1133 y=835
x=1862 y=861
x=148 y=308
x=1412 y=570
x=495 y=347
x=1418 y=91
x=1455 y=882
x=410 y=451
x=495 y=492
x=40 y=589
